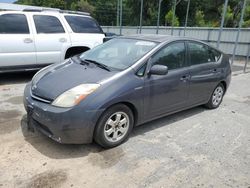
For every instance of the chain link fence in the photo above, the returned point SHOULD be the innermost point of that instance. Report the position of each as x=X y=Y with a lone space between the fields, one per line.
x=234 y=41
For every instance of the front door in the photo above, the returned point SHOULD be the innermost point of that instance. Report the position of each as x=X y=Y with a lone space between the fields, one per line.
x=166 y=93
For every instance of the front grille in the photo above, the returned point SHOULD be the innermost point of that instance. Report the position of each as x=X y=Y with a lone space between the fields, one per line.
x=38 y=98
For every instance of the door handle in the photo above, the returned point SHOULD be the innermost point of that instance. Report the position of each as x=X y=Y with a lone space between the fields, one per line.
x=27 y=40
x=214 y=70
x=62 y=40
x=185 y=78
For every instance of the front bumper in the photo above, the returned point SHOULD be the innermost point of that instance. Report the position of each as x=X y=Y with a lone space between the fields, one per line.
x=64 y=125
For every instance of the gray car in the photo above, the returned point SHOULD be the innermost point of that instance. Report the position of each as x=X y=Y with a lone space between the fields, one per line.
x=103 y=93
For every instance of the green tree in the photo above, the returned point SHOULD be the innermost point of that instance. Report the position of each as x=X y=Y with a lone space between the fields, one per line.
x=169 y=19
x=44 y=3
x=149 y=15
x=82 y=5
x=229 y=17
x=105 y=12
x=199 y=19
x=201 y=13
x=246 y=22
x=57 y=4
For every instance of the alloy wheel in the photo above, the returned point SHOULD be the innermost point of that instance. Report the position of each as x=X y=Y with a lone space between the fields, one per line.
x=116 y=126
x=217 y=96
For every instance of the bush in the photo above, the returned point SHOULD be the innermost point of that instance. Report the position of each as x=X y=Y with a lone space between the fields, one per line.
x=169 y=18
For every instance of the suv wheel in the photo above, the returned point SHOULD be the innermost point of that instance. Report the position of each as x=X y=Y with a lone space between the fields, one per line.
x=216 y=97
x=114 y=126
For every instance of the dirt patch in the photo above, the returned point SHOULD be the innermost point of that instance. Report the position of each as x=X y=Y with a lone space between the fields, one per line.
x=15 y=100
x=9 y=121
x=9 y=126
x=48 y=179
x=6 y=95
x=6 y=115
x=106 y=158
x=247 y=100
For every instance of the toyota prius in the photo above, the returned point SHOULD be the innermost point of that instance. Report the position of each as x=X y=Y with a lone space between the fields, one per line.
x=101 y=94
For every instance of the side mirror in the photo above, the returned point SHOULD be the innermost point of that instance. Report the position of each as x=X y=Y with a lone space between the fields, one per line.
x=159 y=70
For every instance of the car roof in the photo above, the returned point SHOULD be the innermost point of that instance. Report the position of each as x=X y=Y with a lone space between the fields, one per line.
x=159 y=38
x=153 y=37
x=165 y=38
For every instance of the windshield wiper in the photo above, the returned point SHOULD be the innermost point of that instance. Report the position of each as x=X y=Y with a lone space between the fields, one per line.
x=97 y=63
x=79 y=60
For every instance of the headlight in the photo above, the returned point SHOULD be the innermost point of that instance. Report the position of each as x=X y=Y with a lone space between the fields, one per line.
x=75 y=95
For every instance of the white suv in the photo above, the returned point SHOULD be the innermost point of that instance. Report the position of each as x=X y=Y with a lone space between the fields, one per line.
x=32 y=39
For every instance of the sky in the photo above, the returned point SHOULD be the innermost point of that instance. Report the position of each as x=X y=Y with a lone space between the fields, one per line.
x=7 y=1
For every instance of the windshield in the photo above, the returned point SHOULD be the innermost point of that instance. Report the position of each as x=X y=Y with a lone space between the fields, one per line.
x=119 y=53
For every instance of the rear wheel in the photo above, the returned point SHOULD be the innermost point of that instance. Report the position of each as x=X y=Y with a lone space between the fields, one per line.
x=114 y=126
x=216 y=97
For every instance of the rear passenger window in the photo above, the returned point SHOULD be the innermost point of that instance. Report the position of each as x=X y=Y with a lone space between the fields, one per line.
x=80 y=24
x=48 y=24
x=198 y=53
x=172 y=56
x=13 y=24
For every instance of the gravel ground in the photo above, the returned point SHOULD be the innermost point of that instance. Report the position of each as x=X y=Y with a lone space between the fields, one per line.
x=193 y=148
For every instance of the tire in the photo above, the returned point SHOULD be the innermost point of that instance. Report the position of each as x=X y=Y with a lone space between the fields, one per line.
x=114 y=126
x=216 y=97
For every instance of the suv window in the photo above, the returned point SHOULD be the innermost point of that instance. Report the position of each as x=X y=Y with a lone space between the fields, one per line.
x=80 y=24
x=48 y=24
x=13 y=24
x=173 y=56
x=199 y=53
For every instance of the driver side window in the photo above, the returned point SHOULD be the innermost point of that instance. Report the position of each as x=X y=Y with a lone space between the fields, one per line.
x=172 y=56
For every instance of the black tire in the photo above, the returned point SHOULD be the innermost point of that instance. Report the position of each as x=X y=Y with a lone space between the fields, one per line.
x=101 y=138
x=211 y=104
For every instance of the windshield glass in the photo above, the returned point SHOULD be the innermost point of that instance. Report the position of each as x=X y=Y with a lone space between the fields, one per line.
x=119 y=53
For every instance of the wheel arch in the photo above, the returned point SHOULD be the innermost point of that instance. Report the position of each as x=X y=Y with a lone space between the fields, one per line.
x=224 y=84
x=73 y=50
x=130 y=105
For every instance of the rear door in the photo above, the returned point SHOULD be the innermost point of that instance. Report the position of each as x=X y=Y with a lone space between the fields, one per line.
x=204 y=71
x=16 y=41
x=51 y=38
x=167 y=93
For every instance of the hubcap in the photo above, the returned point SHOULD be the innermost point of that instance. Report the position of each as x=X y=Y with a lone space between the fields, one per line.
x=217 y=96
x=116 y=126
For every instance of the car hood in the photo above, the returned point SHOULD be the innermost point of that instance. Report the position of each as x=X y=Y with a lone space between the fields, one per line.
x=56 y=79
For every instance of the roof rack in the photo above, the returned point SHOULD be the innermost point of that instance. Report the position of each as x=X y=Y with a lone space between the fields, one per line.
x=26 y=8
x=74 y=12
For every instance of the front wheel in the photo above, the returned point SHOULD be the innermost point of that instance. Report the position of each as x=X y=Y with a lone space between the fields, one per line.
x=216 y=97
x=114 y=126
